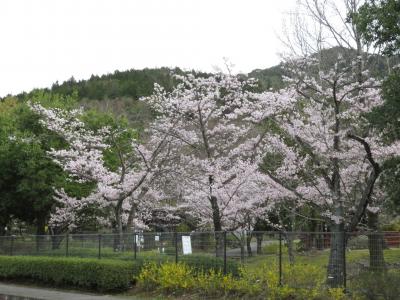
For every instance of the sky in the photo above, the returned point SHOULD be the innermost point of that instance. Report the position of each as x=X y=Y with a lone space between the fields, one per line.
x=43 y=41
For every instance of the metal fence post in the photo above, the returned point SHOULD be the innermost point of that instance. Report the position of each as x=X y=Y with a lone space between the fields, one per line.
x=66 y=245
x=344 y=261
x=280 y=258
x=224 y=252
x=99 y=246
x=12 y=246
x=37 y=241
x=134 y=245
x=176 y=247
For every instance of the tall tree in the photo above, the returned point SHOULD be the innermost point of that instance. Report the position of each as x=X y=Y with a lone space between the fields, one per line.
x=27 y=175
x=334 y=158
x=378 y=22
x=219 y=148
x=109 y=157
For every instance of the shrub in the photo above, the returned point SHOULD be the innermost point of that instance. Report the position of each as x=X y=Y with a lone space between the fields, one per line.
x=301 y=282
x=101 y=275
x=168 y=277
x=207 y=263
x=303 y=276
x=298 y=281
x=180 y=278
x=196 y=261
x=393 y=226
x=377 y=285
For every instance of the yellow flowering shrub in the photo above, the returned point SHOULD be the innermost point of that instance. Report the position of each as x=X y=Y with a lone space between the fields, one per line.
x=300 y=282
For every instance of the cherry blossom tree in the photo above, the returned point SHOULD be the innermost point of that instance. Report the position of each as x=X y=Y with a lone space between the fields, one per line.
x=331 y=157
x=219 y=148
x=121 y=169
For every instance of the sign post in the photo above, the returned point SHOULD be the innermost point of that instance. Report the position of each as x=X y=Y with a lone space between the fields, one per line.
x=186 y=244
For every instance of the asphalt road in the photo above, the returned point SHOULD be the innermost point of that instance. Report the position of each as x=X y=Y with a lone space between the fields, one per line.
x=34 y=293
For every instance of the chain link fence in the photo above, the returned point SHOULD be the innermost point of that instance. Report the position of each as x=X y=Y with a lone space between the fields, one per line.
x=349 y=260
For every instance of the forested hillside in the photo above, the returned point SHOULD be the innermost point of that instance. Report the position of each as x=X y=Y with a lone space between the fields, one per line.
x=133 y=84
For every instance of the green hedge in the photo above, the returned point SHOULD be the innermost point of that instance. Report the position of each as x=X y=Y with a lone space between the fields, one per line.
x=100 y=275
x=96 y=274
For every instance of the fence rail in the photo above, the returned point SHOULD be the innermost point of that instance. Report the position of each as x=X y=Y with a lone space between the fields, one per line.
x=362 y=251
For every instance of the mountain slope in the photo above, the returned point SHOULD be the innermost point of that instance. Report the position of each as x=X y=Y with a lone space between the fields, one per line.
x=119 y=91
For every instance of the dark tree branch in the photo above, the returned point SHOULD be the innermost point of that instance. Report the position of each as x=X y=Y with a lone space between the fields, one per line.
x=367 y=192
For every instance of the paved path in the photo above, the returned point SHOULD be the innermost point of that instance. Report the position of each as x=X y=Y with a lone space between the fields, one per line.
x=51 y=294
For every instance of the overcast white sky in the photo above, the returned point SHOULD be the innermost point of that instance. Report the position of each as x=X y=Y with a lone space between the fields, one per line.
x=47 y=40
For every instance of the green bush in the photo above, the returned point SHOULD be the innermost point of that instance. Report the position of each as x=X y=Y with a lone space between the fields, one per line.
x=376 y=285
x=101 y=275
x=393 y=226
x=199 y=261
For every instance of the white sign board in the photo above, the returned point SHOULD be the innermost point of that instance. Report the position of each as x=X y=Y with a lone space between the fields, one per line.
x=139 y=240
x=186 y=244
x=156 y=238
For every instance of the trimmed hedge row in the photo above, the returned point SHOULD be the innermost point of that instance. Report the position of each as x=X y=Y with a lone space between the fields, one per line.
x=94 y=274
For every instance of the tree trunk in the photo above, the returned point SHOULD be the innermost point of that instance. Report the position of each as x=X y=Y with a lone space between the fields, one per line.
x=336 y=257
x=56 y=237
x=242 y=251
x=289 y=239
x=375 y=244
x=248 y=244
x=56 y=241
x=219 y=244
x=240 y=237
x=116 y=239
x=2 y=229
x=149 y=241
x=259 y=239
x=118 y=232
x=40 y=233
x=129 y=223
x=2 y=237
x=204 y=241
x=242 y=241
x=219 y=239
x=336 y=265
x=132 y=211
x=320 y=243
